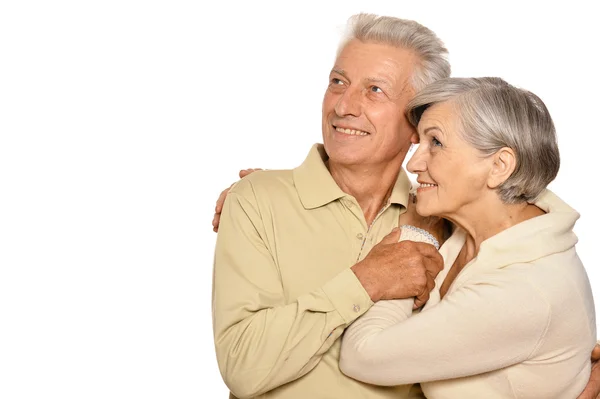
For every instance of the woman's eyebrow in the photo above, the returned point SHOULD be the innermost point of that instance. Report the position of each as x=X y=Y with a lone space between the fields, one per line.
x=427 y=130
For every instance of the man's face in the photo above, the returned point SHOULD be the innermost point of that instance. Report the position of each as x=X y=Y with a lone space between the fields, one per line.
x=363 y=108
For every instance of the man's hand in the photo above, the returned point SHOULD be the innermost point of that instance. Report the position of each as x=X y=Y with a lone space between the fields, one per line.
x=223 y=195
x=592 y=389
x=399 y=270
x=438 y=227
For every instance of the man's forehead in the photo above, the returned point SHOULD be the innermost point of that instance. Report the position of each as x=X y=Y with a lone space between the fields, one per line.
x=374 y=60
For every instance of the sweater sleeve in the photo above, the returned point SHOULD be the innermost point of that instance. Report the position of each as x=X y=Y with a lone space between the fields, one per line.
x=262 y=341
x=485 y=325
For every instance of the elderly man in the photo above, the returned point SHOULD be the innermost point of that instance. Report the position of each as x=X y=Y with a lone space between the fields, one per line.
x=297 y=257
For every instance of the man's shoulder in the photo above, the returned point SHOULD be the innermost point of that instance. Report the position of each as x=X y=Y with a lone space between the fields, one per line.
x=264 y=182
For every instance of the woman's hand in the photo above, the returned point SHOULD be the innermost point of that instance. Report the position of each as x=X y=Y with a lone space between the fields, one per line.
x=592 y=389
x=223 y=195
x=436 y=226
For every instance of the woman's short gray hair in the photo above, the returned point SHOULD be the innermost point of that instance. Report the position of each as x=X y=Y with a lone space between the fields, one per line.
x=406 y=34
x=493 y=115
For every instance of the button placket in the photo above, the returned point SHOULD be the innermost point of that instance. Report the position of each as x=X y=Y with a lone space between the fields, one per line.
x=363 y=237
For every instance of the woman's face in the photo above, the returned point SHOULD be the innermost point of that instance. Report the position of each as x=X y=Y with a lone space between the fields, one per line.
x=452 y=174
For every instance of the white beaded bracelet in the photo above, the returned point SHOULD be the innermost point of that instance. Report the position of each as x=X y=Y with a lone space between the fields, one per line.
x=413 y=233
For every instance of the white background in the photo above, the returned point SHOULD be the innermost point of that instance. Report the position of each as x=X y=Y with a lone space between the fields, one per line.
x=121 y=121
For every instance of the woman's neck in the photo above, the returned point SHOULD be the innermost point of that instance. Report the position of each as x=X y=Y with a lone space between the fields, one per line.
x=486 y=218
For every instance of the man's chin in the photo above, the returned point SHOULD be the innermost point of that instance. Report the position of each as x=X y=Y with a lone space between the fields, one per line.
x=345 y=157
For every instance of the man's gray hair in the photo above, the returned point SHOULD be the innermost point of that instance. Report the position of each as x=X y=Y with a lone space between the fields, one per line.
x=404 y=33
x=493 y=115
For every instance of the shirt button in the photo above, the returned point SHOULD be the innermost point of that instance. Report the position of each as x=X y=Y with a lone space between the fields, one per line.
x=356 y=308
x=360 y=236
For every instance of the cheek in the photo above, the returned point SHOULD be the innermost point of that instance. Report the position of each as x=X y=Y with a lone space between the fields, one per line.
x=461 y=178
x=398 y=130
x=329 y=100
x=382 y=116
x=437 y=166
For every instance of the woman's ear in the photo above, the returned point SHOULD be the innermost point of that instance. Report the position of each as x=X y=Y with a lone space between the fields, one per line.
x=505 y=162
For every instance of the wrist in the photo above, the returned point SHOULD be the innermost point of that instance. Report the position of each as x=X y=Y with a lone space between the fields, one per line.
x=412 y=233
x=361 y=271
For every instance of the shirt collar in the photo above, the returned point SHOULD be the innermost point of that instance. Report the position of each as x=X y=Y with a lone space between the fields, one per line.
x=316 y=187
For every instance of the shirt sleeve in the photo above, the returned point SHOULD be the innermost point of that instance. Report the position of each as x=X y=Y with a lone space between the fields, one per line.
x=486 y=325
x=261 y=341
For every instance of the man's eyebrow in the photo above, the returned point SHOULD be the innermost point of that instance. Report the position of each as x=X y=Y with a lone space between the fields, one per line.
x=378 y=80
x=339 y=72
x=383 y=81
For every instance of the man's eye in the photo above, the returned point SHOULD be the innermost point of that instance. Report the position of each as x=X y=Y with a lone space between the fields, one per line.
x=336 y=81
x=436 y=142
x=376 y=89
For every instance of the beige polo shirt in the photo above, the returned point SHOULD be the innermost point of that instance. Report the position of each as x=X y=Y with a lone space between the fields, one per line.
x=283 y=291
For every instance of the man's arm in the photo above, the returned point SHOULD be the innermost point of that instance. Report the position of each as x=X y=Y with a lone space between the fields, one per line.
x=262 y=342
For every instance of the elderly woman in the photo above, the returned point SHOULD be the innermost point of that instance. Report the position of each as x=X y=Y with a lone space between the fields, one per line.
x=512 y=314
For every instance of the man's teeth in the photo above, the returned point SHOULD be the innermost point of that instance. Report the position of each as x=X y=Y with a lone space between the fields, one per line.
x=351 y=132
x=425 y=185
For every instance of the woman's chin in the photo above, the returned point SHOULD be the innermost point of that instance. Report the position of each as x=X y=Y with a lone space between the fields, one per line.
x=423 y=210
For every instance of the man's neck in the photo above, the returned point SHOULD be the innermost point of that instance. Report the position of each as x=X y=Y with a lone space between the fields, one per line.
x=370 y=186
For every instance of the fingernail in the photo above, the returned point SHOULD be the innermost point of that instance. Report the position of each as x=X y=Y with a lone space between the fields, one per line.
x=395 y=229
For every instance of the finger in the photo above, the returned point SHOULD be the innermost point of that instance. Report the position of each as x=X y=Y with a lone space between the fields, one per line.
x=418 y=303
x=430 y=282
x=427 y=250
x=596 y=352
x=434 y=262
x=433 y=266
x=421 y=299
x=215 y=222
x=221 y=201
x=246 y=172
x=392 y=237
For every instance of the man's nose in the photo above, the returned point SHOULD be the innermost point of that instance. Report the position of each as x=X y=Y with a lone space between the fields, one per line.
x=349 y=103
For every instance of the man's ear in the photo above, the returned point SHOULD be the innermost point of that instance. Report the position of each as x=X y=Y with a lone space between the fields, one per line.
x=414 y=138
x=505 y=162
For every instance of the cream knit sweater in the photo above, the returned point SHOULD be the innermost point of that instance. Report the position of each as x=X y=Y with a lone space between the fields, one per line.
x=517 y=322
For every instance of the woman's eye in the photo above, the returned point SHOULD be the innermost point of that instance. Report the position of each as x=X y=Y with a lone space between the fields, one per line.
x=436 y=142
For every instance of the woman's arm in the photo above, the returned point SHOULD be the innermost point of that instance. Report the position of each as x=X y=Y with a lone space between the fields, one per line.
x=476 y=329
